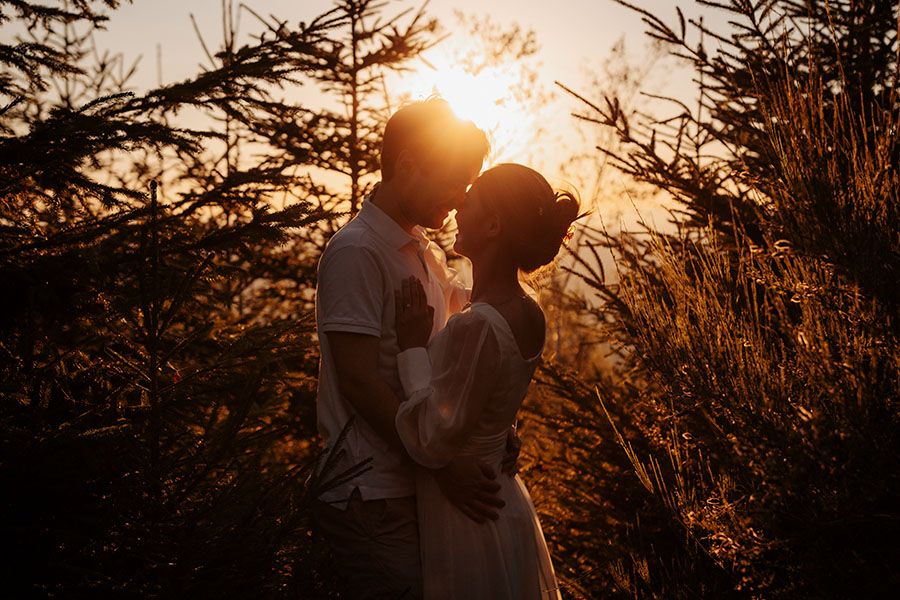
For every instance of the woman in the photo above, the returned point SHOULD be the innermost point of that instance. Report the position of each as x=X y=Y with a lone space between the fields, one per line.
x=464 y=391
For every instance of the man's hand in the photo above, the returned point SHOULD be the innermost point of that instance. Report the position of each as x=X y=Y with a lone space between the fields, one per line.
x=470 y=485
x=510 y=464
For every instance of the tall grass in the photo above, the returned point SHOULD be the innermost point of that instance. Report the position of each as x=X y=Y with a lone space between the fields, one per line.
x=758 y=402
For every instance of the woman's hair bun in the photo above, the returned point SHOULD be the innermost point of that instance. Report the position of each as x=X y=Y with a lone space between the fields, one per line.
x=563 y=210
x=566 y=209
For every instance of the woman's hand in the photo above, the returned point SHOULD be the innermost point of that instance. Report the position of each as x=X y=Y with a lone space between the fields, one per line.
x=414 y=316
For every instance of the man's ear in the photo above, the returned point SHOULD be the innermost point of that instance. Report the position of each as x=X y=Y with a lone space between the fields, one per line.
x=494 y=225
x=404 y=164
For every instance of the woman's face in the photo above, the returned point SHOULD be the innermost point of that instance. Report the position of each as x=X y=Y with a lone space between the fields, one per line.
x=473 y=222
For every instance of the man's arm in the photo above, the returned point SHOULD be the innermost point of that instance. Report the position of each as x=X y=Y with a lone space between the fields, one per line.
x=355 y=358
x=467 y=482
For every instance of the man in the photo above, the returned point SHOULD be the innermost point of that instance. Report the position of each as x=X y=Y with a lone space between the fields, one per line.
x=429 y=158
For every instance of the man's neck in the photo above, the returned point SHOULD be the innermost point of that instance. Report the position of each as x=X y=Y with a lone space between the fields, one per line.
x=388 y=198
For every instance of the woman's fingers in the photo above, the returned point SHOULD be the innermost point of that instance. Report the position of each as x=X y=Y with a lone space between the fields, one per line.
x=420 y=290
x=411 y=295
x=416 y=298
x=405 y=293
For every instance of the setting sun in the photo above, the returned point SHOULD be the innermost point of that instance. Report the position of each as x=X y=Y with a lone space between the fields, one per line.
x=480 y=98
x=490 y=98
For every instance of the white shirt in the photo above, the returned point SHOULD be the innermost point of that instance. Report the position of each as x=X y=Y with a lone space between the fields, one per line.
x=360 y=269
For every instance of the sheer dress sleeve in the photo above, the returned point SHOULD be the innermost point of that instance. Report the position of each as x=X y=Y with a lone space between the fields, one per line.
x=446 y=389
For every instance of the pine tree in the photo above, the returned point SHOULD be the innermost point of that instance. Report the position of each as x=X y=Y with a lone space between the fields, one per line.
x=358 y=46
x=154 y=431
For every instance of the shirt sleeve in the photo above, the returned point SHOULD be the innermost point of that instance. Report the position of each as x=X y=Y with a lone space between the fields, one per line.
x=350 y=292
x=447 y=390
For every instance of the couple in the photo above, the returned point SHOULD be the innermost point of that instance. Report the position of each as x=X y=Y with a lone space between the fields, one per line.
x=433 y=375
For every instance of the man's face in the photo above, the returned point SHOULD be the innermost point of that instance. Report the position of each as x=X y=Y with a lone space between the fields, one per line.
x=431 y=196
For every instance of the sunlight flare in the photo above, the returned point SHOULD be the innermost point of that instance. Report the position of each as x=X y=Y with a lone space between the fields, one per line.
x=481 y=98
x=490 y=98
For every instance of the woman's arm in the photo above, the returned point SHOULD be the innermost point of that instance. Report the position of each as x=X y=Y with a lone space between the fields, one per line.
x=447 y=386
x=433 y=435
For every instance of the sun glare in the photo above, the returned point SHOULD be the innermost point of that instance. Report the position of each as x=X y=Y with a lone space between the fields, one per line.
x=477 y=97
x=487 y=98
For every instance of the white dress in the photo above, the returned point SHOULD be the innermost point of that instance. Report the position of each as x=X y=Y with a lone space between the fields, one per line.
x=462 y=398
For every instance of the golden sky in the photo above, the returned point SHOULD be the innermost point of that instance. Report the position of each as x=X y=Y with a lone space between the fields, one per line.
x=568 y=30
x=575 y=38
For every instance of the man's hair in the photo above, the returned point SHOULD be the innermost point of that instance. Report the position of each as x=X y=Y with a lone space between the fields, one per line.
x=435 y=137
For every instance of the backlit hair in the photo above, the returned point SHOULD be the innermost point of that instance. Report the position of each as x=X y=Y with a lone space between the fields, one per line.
x=535 y=218
x=435 y=138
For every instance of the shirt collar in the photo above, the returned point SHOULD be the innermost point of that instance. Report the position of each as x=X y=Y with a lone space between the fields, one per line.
x=386 y=227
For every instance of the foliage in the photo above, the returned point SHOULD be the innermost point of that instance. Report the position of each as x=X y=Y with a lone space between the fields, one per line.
x=756 y=393
x=360 y=47
x=157 y=368
x=490 y=49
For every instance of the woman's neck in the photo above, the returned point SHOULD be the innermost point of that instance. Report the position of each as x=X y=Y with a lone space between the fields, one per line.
x=495 y=280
